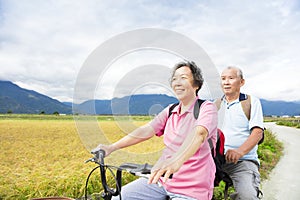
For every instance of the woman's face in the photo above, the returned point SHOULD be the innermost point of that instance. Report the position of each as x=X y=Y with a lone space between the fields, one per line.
x=182 y=84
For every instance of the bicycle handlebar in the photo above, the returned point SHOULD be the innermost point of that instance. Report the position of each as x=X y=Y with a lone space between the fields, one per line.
x=108 y=192
x=142 y=170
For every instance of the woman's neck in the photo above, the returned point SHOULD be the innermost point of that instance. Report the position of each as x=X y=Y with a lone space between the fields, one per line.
x=186 y=104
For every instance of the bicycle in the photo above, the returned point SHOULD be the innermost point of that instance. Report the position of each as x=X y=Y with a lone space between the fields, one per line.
x=141 y=170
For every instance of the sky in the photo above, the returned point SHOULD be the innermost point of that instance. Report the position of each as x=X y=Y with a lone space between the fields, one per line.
x=45 y=44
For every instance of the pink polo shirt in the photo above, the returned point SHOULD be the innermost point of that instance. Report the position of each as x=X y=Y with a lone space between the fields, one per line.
x=196 y=177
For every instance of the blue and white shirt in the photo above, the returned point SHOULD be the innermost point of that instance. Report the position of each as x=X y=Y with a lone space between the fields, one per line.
x=236 y=126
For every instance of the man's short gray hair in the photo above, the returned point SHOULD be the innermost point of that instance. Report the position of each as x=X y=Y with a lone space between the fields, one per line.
x=238 y=71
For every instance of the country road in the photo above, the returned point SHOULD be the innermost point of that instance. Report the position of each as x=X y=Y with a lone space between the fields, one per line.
x=284 y=181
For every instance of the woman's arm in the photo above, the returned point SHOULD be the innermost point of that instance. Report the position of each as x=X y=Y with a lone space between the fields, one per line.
x=138 y=135
x=189 y=147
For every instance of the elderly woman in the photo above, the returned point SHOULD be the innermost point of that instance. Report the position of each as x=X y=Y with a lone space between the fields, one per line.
x=187 y=154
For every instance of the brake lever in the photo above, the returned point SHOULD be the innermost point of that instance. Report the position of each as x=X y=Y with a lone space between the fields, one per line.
x=90 y=160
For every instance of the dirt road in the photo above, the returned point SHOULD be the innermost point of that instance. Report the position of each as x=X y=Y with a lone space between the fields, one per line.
x=284 y=181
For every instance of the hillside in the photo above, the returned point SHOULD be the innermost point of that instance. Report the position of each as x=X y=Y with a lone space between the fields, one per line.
x=153 y=103
x=128 y=105
x=18 y=100
x=15 y=99
x=280 y=108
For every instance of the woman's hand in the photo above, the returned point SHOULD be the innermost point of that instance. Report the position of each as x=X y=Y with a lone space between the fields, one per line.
x=107 y=148
x=163 y=168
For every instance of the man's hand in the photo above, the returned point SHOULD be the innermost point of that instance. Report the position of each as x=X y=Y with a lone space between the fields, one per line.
x=233 y=156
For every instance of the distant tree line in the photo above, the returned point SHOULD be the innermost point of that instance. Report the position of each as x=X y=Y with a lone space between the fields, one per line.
x=41 y=113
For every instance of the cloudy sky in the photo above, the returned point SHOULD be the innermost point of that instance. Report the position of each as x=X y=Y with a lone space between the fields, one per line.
x=44 y=44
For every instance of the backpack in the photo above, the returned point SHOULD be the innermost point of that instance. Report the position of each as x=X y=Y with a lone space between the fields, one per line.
x=217 y=153
x=218 y=156
x=246 y=106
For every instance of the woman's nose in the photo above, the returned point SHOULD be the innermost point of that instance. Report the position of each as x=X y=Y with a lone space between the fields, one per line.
x=176 y=82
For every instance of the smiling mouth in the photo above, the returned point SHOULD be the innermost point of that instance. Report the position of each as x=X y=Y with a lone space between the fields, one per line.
x=179 y=90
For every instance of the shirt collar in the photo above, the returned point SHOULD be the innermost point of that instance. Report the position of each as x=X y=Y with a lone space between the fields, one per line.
x=191 y=108
x=242 y=97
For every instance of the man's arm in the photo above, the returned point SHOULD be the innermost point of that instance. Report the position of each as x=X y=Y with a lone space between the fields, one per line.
x=233 y=155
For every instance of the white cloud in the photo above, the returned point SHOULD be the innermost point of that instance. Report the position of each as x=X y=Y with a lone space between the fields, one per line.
x=43 y=44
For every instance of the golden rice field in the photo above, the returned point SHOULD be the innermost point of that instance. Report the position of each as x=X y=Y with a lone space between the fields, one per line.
x=45 y=157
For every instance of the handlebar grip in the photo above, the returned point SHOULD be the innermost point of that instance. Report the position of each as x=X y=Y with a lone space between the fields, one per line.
x=101 y=153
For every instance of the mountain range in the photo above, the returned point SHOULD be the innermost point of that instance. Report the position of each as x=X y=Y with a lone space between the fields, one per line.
x=14 y=99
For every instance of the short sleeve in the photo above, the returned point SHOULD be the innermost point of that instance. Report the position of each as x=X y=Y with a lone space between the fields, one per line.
x=256 y=118
x=159 y=121
x=208 y=117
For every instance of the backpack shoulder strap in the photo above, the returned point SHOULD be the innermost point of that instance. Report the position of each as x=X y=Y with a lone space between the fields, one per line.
x=211 y=146
x=170 y=112
x=246 y=104
x=197 y=107
x=171 y=108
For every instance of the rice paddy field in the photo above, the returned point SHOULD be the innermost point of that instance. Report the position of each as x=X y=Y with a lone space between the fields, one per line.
x=44 y=155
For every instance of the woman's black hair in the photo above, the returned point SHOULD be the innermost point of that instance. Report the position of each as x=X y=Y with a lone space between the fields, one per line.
x=196 y=71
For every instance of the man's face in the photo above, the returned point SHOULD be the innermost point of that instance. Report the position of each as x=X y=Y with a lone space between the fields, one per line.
x=231 y=82
x=182 y=83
